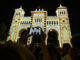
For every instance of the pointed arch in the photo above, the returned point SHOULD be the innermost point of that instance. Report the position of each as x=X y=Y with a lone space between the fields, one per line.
x=23 y=36
x=21 y=31
x=53 y=37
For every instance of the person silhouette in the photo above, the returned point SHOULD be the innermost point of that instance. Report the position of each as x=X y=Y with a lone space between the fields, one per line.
x=15 y=51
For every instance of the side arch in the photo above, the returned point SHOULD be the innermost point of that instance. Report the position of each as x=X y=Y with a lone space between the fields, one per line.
x=56 y=29
x=23 y=29
x=51 y=27
x=23 y=36
x=53 y=37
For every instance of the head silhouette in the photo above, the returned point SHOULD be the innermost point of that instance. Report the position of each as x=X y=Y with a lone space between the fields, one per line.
x=15 y=51
x=75 y=41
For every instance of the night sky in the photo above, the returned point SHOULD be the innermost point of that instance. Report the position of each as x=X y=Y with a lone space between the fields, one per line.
x=7 y=10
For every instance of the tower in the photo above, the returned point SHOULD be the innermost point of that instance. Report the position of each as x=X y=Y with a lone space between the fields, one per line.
x=39 y=18
x=65 y=31
x=13 y=33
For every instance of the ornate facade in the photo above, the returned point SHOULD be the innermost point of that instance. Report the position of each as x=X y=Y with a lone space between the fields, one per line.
x=59 y=23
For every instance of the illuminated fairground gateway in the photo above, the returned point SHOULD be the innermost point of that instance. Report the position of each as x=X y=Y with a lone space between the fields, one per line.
x=39 y=18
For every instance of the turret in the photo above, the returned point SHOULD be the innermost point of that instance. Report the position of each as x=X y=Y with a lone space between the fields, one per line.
x=19 y=12
x=15 y=23
x=62 y=11
x=62 y=14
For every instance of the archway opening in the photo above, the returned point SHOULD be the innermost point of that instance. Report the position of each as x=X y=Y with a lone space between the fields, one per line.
x=23 y=36
x=53 y=37
x=20 y=32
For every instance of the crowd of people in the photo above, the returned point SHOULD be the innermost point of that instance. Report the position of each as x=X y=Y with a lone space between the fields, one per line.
x=38 y=50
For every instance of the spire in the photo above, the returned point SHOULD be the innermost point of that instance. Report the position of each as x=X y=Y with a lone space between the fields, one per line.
x=36 y=10
x=21 y=7
x=42 y=9
x=39 y=9
x=60 y=5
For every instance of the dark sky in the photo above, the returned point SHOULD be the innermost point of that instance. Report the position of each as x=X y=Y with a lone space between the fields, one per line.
x=7 y=10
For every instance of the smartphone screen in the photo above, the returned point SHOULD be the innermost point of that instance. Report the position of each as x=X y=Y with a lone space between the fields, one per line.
x=34 y=31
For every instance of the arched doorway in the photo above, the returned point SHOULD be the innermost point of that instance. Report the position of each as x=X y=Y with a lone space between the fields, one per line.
x=52 y=37
x=23 y=36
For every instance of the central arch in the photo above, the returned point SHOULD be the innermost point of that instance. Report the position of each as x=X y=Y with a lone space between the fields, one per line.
x=36 y=40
